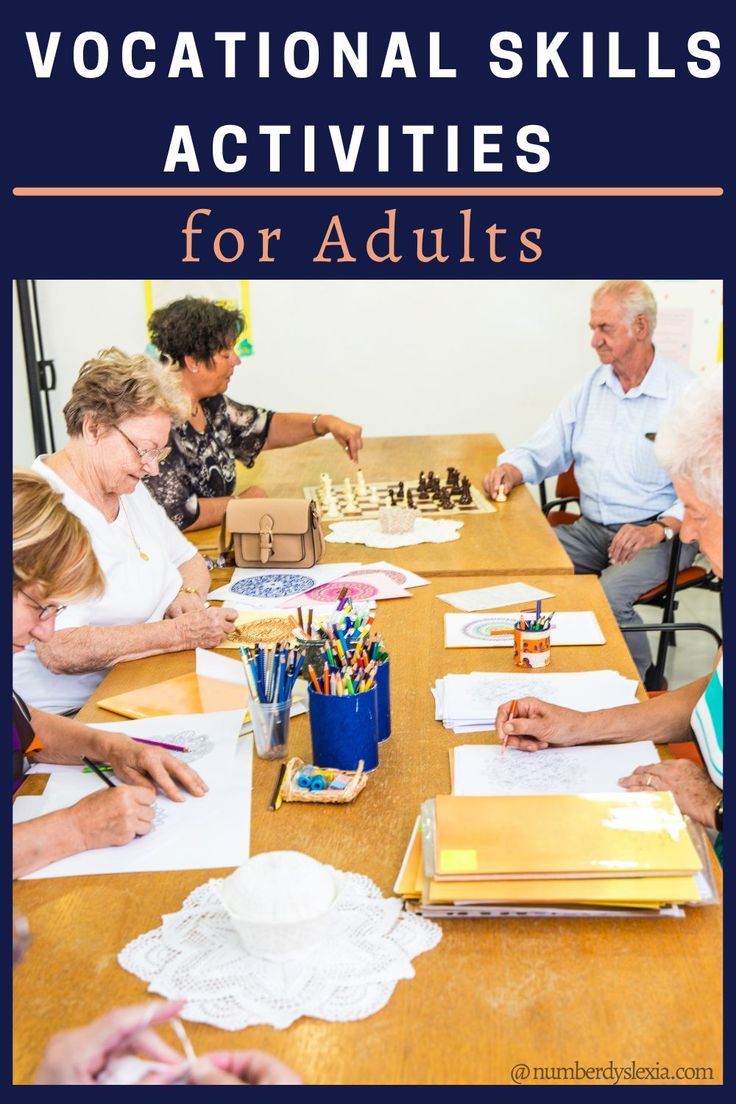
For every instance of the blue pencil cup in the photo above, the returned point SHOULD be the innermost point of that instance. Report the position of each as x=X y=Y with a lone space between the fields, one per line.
x=383 y=685
x=344 y=729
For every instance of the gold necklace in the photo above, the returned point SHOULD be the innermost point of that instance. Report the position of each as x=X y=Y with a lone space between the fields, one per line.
x=143 y=555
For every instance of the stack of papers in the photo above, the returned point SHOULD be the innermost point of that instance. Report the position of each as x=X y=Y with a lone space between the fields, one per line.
x=626 y=854
x=469 y=703
x=494 y=597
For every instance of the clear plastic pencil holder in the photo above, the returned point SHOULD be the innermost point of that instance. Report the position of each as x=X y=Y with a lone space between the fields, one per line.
x=271 y=728
x=344 y=729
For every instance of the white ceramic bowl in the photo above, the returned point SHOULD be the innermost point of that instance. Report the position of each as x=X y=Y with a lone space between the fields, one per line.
x=280 y=903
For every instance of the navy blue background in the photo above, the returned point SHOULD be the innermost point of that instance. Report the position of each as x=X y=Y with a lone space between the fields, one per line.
x=115 y=130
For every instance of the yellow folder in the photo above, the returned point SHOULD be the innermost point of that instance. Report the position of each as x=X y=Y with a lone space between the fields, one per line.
x=190 y=693
x=561 y=835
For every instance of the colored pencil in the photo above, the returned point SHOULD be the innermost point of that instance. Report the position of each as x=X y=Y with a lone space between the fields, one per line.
x=512 y=714
x=96 y=770
x=159 y=743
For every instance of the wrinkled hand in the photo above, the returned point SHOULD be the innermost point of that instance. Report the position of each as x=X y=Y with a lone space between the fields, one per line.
x=538 y=725
x=630 y=539
x=241 y=1067
x=345 y=433
x=78 y=1057
x=205 y=628
x=144 y=765
x=508 y=474
x=112 y=817
x=183 y=603
x=688 y=782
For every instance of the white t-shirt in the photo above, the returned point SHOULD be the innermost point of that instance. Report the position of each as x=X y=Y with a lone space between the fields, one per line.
x=137 y=591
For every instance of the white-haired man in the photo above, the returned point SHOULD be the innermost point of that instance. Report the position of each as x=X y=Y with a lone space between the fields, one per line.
x=607 y=426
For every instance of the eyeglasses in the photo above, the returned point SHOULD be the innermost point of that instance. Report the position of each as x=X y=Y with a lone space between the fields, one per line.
x=148 y=456
x=45 y=612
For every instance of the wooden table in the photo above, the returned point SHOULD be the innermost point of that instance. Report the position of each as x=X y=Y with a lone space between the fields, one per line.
x=547 y=993
x=516 y=537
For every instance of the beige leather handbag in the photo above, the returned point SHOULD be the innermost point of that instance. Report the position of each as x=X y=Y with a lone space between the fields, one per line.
x=273 y=532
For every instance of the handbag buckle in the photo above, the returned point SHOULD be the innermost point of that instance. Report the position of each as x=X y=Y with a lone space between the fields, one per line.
x=265 y=538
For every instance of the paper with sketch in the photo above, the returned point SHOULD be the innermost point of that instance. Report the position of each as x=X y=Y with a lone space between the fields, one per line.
x=402 y=576
x=270 y=587
x=488 y=769
x=199 y=833
x=493 y=597
x=470 y=630
x=470 y=702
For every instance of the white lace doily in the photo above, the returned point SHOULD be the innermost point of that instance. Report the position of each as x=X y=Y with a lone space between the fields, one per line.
x=425 y=531
x=196 y=955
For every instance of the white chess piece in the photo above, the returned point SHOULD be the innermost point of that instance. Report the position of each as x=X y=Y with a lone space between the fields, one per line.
x=326 y=481
x=361 y=483
x=375 y=501
x=501 y=493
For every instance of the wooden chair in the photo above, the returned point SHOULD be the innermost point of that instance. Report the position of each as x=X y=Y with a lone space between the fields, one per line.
x=663 y=596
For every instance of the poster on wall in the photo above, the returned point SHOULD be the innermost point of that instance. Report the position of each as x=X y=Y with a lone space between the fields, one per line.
x=229 y=293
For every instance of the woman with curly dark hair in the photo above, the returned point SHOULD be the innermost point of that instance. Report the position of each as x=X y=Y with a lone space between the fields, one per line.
x=195 y=485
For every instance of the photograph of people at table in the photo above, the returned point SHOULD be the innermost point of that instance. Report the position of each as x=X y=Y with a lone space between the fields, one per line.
x=442 y=669
x=198 y=337
x=54 y=565
x=154 y=599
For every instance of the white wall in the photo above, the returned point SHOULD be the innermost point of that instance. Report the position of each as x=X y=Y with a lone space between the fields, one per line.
x=400 y=357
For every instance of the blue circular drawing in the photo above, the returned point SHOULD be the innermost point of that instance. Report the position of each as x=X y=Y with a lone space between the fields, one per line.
x=272 y=586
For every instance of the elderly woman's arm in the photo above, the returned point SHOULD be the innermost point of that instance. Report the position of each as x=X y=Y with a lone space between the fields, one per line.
x=90 y=648
x=293 y=429
x=537 y=724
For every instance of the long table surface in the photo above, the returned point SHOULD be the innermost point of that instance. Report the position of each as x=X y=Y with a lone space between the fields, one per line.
x=516 y=537
x=493 y=995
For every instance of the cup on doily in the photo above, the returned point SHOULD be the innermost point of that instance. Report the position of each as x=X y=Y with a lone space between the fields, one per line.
x=280 y=903
x=396 y=519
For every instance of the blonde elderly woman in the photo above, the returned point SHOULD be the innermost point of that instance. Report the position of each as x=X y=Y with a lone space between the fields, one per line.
x=118 y=420
x=53 y=563
x=690 y=447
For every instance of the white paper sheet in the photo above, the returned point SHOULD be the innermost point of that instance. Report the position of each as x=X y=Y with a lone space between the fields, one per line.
x=199 y=833
x=400 y=575
x=27 y=807
x=469 y=630
x=269 y=587
x=211 y=665
x=488 y=769
x=473 y=700
x=493 y=597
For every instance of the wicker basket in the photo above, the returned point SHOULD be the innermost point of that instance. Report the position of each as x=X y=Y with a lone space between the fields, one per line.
x=290 y=791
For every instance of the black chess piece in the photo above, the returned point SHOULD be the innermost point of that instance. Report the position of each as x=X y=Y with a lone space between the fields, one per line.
x=400 y=495
x=466 y=499
x=392 y=497
x=421 y=482
x=410 y=500
x=445 y=499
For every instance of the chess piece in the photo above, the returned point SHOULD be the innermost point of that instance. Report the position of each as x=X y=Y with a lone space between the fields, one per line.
x=362 y=487
x=410 y=500
x=375 y=500
x=445 y=498
x=392 y=497
x=501 y=494
x=466 y=499
x=326 y=482
x=421 y=483
x=400 y=494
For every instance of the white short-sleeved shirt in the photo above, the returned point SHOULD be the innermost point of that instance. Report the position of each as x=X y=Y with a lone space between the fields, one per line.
x=137 y=591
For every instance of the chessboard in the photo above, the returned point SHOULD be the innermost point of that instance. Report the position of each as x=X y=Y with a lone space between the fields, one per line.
x=430 y=495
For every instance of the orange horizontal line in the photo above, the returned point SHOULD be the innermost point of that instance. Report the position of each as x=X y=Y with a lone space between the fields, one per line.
x=387 y=193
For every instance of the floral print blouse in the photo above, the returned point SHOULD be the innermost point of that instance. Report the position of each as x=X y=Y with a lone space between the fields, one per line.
x=202 y=465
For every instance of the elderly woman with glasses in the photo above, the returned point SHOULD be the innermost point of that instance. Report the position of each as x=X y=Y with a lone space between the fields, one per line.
x=53 y=563
x=118 y=420
x=690 y=447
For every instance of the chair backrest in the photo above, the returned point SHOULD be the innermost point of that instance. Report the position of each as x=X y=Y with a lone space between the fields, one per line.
x=567 y=484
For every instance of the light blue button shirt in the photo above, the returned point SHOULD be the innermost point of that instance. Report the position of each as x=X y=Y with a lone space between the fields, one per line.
x=604 y=431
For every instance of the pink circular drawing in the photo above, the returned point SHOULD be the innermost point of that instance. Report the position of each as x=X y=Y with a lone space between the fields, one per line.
x=397 y=577
x=330 y=592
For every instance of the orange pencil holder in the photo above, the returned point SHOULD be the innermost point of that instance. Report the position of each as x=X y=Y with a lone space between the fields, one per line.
x=531 y=648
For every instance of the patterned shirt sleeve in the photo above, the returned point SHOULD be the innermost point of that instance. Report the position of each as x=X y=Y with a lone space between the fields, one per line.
x=249 y=426
x=173 y=489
